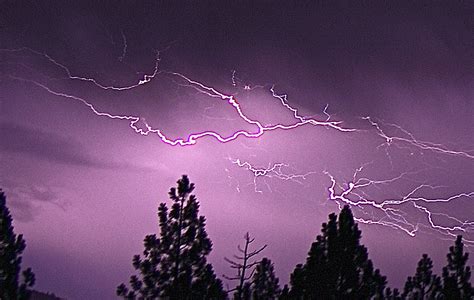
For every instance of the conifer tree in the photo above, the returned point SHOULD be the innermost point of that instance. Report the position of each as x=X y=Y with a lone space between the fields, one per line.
x=174 y=266
x=337 y=266
x=457 y=274
x=285 y=293
x=392 y=294
x=297 y=282
x=264 y=282
x=425 y=284
x=246 y=293
x=11 y=249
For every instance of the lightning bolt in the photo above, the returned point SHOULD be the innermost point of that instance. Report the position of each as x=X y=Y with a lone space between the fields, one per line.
x=192 y=138
x=411 y=140
x=275 y=170
x=391 y=209
x=146 y=78
x=394 y=213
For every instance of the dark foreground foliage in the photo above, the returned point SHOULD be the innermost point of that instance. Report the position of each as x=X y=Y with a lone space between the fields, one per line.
x=337 y=266
x=173 y=264
x=11 y=249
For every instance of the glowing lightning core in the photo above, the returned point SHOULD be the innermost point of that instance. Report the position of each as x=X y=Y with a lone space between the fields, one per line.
x=200 y=87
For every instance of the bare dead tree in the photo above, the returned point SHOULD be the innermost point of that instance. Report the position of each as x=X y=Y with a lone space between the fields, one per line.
x=244 y=264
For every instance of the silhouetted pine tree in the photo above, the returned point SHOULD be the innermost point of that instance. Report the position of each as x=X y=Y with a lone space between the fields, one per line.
x=11 y=248
x=174 y=266
x=392 y=295
x=264 y=282
x=246 y=292
x=297 y=282
x=425 y=284
x=285 y=293
x=337 y=266
x=457 y=274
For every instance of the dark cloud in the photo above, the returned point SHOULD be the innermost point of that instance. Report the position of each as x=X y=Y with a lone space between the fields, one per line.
x=26 y=200
x=52 y=147
x=44 y=145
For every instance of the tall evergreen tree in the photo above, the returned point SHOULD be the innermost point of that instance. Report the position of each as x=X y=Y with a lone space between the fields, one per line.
x=457 y=274
x=11 y=249
x=338 y=266
x=425 y=284
x=174 y=266
x=264 y=282
x=298 y=282
x=392 y=294
x=246 y=293
x=285 y=293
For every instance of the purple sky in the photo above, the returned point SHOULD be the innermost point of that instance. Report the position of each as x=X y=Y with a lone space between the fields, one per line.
x=83 y=186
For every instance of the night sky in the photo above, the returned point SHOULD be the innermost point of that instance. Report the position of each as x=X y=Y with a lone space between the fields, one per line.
x=279 y=112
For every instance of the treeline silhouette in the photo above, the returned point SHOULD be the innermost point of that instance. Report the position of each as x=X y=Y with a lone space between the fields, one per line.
x=11 y=249
x=173 y=264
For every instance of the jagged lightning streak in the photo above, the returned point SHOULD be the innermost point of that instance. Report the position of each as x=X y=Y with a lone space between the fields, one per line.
x=198 y=86
x=273 y=170
x=411 y=140
x=393 y=214
x=146 y=78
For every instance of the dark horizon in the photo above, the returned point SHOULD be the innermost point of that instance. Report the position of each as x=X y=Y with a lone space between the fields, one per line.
x=378 y=115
